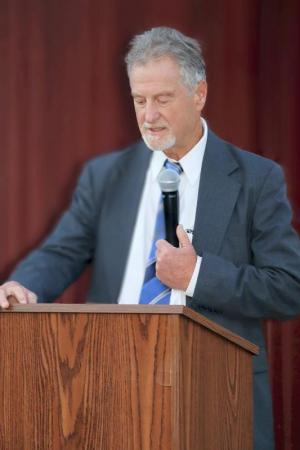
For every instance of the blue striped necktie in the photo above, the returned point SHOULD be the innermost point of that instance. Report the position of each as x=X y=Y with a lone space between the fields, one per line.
x=153 y=291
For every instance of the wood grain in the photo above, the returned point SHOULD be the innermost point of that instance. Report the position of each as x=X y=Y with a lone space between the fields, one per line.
x=108 y=381
x=138 y=309
x=75 y=381
x=216 y=391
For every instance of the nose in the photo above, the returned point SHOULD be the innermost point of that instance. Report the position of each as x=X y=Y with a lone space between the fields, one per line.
x=151 y=112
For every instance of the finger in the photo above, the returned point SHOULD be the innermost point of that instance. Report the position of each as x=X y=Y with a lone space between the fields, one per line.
x=12 y=300
x=162 y=243
x=18 y=292
x=3 y=300
x=183 y=237
x=32 y=297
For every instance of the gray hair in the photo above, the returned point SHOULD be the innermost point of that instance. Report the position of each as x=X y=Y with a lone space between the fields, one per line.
x=164 y=41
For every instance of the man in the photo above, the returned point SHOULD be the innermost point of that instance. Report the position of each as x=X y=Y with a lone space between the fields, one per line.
x=243 y=263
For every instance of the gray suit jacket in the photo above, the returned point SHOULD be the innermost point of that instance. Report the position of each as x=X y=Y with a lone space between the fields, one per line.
x=251 y=255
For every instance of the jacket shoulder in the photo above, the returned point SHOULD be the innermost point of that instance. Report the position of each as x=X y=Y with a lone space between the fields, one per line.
x=115 y=159
x=251 y=165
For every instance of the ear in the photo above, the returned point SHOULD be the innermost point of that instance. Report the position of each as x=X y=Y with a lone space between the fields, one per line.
x=200 y=95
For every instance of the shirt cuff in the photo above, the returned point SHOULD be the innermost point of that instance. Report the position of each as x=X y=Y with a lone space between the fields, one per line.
x=193 y=281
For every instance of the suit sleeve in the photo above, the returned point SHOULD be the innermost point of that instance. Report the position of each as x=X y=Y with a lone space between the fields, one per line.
x=50 y=269
x=269 y=285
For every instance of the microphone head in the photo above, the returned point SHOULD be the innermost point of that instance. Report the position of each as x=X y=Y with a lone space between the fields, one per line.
x=168 y=180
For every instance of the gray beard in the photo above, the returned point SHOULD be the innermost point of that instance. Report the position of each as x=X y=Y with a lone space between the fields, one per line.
x=166 y=145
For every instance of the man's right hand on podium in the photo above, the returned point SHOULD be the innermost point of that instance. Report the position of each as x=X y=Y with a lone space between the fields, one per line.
x=12 y=292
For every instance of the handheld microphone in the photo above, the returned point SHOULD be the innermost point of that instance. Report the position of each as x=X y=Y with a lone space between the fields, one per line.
x=169 y=182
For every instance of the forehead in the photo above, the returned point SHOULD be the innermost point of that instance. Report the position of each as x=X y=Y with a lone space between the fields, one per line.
x=159 y=73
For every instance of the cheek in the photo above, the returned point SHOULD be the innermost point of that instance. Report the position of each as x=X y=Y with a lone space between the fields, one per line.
x=169 y=118
x=175 y=119
x=188 y=117
x=139 y=117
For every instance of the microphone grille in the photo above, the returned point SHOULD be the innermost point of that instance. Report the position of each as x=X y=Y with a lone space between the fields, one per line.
x=168 y=180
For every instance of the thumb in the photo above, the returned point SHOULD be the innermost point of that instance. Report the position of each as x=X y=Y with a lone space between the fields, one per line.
x=183 y=237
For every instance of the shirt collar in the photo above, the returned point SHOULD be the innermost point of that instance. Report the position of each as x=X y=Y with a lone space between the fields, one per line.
x=191 y=162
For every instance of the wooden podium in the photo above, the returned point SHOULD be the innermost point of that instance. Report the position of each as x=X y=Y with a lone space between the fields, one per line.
x=103 y=377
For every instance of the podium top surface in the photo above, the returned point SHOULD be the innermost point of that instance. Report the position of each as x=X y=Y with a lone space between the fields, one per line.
x=92 y=308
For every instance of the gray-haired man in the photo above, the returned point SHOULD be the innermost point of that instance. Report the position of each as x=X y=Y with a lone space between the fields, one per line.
x=243 y=263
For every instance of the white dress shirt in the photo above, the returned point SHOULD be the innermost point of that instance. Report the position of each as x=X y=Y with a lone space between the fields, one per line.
x=146 y=218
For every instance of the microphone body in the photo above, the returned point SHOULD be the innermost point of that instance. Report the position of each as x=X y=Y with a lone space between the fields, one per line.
x=171 y=210
x=169 y=182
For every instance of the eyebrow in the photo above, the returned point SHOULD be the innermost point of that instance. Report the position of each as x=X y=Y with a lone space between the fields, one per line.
x=160 y=94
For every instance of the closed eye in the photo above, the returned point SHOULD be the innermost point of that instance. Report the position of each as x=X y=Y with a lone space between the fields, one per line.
x=164 y=99
x=140 y=101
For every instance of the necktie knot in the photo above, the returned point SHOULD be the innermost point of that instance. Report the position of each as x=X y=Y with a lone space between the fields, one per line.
x=173 y=166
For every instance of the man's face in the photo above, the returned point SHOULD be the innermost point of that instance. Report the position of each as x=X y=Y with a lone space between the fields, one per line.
x=168 y=113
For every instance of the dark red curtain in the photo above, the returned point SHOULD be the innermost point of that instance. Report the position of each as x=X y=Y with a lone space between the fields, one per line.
x=64 y=98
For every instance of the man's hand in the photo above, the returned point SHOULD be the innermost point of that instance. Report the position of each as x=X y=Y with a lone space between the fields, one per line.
x=18 y=292
x=175 y=266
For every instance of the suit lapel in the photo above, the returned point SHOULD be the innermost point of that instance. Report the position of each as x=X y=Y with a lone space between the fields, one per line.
x=125 y=195
x=218 y=192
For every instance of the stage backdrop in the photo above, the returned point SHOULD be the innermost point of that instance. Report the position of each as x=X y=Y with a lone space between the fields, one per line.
x=64 y=98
